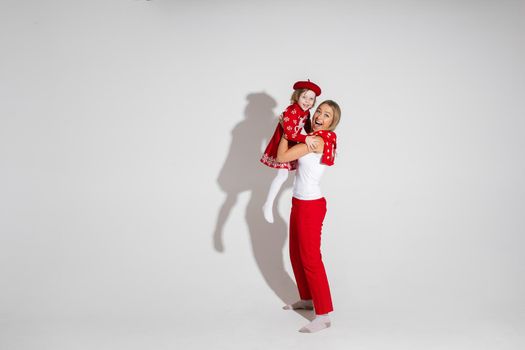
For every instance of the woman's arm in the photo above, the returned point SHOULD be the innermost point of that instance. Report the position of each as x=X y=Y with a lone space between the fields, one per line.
x=287 y=154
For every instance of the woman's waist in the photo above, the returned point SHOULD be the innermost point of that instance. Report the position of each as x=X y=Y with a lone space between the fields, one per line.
x=306 y=200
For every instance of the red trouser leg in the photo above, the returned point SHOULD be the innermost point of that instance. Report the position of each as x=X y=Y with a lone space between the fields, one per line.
x=306 y=221
x=295 y=256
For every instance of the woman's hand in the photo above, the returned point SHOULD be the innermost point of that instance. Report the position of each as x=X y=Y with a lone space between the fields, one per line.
x=311 y=142
x=319 y=144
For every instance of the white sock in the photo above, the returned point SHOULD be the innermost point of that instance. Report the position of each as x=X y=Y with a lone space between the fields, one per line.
x=280 y=178
x=320 y=322
x=301 y=304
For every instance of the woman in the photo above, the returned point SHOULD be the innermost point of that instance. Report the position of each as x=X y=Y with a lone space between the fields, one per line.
x=306 y=220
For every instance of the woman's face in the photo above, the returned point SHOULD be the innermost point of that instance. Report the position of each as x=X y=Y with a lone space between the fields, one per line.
x=323 y=117
x=306 y=100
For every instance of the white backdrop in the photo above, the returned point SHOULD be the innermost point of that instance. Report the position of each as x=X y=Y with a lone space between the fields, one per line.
x=130 y=187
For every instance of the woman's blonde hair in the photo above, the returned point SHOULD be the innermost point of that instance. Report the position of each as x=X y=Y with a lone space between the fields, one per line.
x=296 y=93
x=337 y=113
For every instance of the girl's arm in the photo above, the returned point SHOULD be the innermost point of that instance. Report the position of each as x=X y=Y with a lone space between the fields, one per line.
x=287 y=154
x=287 y=119
x=290 y=126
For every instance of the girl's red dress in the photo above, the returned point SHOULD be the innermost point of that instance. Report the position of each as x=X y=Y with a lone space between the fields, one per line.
x=293 y=122
x=294 y=119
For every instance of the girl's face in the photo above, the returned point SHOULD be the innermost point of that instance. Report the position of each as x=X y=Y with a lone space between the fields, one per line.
x=306 y=100
x=323 y=117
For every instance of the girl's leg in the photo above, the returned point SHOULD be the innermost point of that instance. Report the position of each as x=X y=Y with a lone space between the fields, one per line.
x=278 y=181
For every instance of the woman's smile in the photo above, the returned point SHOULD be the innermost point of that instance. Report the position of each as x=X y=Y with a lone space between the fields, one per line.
x=323 y=117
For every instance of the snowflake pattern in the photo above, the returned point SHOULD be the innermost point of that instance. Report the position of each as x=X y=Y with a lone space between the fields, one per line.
x=293 y=120
x=330 y=145
x=273 y=163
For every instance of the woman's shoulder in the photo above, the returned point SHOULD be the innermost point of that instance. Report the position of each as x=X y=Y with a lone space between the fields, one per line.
x=326 y=134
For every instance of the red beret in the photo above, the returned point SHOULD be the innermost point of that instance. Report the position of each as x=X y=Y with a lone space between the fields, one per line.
x=307 y=85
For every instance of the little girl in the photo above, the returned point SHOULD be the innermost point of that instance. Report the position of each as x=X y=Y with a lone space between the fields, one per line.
x=294 y=118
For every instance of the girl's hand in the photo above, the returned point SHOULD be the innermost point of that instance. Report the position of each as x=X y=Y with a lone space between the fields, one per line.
x=311 y=142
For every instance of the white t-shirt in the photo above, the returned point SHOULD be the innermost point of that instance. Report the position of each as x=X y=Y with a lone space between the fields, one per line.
x=306 y=185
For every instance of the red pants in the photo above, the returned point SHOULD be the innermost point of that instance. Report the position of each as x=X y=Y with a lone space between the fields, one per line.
x=306 y=221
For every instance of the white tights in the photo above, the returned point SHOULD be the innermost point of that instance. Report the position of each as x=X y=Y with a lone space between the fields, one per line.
x=277 y=183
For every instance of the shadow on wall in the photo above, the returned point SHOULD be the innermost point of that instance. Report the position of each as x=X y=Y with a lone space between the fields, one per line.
x=241 y=172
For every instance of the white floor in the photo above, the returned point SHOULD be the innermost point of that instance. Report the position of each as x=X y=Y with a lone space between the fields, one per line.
x=215 y=327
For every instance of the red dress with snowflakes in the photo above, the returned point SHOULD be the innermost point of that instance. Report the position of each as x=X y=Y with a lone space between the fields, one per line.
x=293 y=121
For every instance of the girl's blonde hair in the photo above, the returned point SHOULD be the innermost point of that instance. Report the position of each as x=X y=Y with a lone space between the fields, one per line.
x=296 y=93
x=337 y=113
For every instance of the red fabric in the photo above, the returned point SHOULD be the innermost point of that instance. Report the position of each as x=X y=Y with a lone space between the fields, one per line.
x=306 y=221
x=307 y=85
x=293 y=122
x=330 y=144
